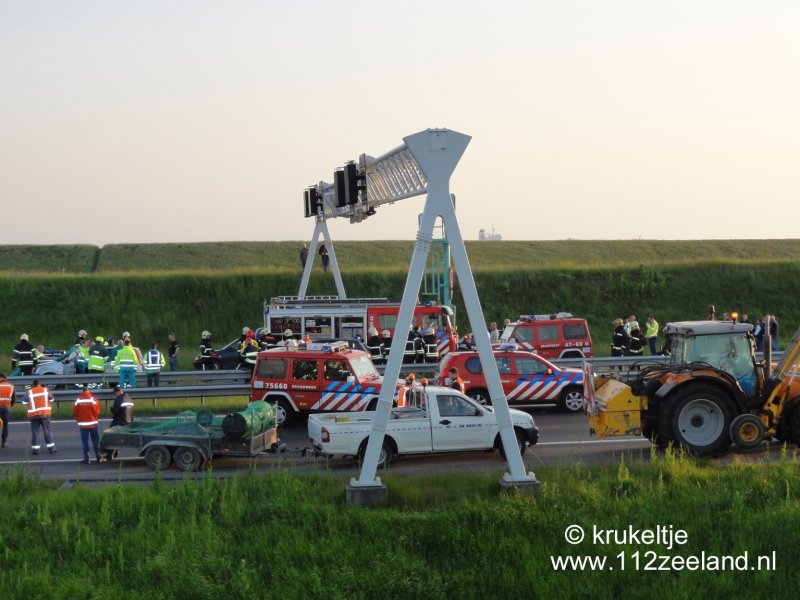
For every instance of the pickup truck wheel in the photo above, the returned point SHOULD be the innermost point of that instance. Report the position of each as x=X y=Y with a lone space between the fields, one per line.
x=383 y=458
x=481 y=396
x=572 y=400
x=188 y=459
x=521 y=443
x=158 y=457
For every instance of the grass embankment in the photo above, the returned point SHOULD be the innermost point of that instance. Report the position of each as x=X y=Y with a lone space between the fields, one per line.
x=387 y=255
x=284 y=536
x=52 y=308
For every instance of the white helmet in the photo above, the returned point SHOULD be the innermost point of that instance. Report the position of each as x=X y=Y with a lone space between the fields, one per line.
x=24 y=336
x=126 y=334
x=206 y=334
x=373 y=331
x=385 y=333
x=430 y=331
x=288 y=333
x=82 y=333
x=245 y=330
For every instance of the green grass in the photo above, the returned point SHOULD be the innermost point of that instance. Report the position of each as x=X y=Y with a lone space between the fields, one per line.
x=387 y=255
x=221 y=287
x=285 y=536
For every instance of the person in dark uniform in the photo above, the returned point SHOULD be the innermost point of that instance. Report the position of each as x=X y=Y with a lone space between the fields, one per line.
x=24 y=357
x=206 y=350
x=636 y=342
x=619 y=339
x=174 y=348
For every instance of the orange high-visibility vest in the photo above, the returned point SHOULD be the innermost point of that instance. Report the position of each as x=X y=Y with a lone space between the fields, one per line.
x=6 y=394
x=38 y=402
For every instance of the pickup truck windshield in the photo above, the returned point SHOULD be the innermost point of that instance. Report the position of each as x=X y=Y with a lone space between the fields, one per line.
x=363 y=368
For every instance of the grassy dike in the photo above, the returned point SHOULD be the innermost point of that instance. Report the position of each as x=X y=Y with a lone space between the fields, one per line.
x=51 y=308
x=280 y=535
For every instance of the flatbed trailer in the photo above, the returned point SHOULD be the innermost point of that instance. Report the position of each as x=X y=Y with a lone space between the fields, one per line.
x=193 y=439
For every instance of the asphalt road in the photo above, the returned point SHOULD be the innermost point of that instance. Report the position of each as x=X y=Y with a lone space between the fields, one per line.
x=564 y=439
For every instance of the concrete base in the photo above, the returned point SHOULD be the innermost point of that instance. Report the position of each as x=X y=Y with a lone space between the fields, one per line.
x=361 y=495
x=525 y=486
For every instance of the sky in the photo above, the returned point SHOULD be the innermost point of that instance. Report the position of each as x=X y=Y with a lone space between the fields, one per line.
x=197 y=120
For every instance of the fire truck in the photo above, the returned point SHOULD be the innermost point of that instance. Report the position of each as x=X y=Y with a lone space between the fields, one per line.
x=327 y=317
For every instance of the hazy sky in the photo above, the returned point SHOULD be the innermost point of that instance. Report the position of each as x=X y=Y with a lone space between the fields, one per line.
x=193 y=120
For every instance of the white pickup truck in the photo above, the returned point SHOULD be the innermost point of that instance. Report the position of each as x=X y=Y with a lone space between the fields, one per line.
x=443 y=420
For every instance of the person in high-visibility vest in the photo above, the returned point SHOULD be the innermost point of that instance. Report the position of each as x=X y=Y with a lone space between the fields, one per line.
x=153 y=363
x=98 y=354
x=249 y=352
x=82 y=357
x=125 y=364
x=86 y=411
x=6 y=402
x=454 y=381
x=39 y=403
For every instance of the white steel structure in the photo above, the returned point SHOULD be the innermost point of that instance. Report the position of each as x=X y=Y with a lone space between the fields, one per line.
x=424 y=163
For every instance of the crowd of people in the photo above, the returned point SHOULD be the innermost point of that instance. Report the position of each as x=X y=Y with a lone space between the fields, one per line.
x=628 y=339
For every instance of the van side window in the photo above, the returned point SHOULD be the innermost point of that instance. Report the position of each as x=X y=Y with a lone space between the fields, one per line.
x=574 y=331
x=271 y=369
x=548 y=333
x=305 y=370
x=523 y=334
x=529 y=366
x=336 y=370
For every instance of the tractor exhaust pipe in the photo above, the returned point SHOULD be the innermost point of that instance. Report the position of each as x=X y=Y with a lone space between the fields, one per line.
x=767 y=347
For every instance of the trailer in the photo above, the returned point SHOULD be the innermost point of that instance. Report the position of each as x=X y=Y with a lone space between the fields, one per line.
x=193 y=438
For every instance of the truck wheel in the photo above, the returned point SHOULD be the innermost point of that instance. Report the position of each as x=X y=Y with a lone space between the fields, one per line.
x=571 y=400
x=188 y=459
x=481 y=396
x=384 y=457
x=747 y=431
x=701 y=418
x=284 y=413
x=650 y=431
x=521 y=443
x=158 y=457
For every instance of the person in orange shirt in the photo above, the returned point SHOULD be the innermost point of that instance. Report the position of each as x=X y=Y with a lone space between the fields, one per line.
x=87 y=411
x=39 y=403
x=6 y=402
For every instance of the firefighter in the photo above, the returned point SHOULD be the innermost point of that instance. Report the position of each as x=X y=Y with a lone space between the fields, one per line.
x=82 y=357
x=125 y=364
x=98 y=354
x=206 y=351
x=23 y=357
x=636 y=342
x=619 y=339
x=431 y=346
x=267 y=340
x=249 y=352
x=413 y=342
x=243 y=337
x=386 y=340
x=454 y=381
x=375 y=346
x=6 y=402
x=39 y=403
x=288 y=335
x=86 y=411
x=153 y=363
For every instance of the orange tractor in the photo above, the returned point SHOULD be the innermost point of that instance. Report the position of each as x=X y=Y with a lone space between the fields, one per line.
x=712 y=391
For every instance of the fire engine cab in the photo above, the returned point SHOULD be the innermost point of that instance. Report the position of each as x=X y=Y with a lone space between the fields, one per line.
x=325 y=317
x=318 y=378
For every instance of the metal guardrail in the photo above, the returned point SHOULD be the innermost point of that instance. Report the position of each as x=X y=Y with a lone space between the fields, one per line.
x=216 y=384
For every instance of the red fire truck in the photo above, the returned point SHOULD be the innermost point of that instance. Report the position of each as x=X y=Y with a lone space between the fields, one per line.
x=327 y=317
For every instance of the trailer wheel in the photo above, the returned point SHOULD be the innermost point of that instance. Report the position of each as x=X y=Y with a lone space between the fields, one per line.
x=571 y=400
x=187 y=458
x=158 y=457
x=284 y=413
x=701 y=418
x=747 y=431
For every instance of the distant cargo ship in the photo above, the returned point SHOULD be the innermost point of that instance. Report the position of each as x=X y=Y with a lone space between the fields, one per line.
x=484 y=236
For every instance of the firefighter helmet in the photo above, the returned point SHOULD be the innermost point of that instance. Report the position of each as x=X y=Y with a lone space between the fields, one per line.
x=206 y=334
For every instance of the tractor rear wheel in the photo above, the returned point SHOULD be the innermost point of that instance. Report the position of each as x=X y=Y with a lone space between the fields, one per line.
x=701 y=416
